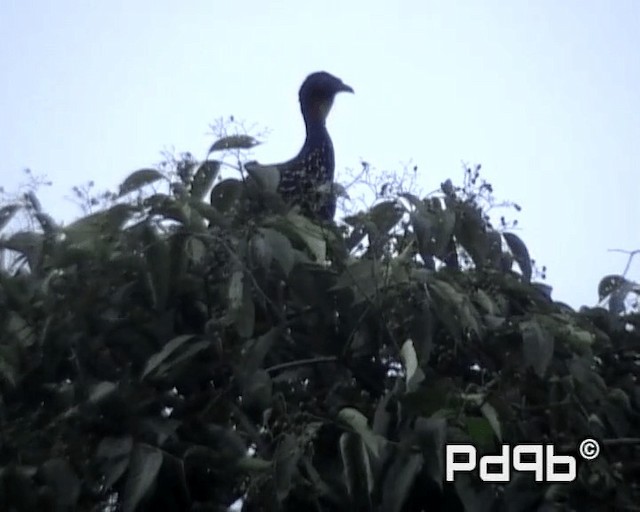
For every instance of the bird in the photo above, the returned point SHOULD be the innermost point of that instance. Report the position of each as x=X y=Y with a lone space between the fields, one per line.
x=307 y=179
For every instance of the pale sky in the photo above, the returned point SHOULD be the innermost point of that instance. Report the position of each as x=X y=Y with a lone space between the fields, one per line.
x=544 y=94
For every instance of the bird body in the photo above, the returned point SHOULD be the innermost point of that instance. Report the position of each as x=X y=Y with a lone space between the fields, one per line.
x=307 y=179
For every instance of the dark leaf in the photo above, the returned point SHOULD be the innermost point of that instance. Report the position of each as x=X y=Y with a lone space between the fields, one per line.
x=256 y=391
x=204 y=178
x=357 y=422
x=422 y=229
x=431 y=435
x=60 y=476
x=357 y=471
x=537 y=346
x=520 y=253
x=158 y=258
x=101 y=391
x=114 y=447
x=6 y=214
x=182 y=356
x=234 y=142
x=257 y=349
x=447 y=188
x=385 y=215
x=225 y=194
x=158 y=358
x=143 y=471
x=399 y=480
x=415 y=201
x=480 y=432
x=98 y=225
x=286 y=460
x=241 y=305
x=138 y=179
x=362 y=277
x=266 y=176
x=609 y=284
x=280 y=247
x=29 y=244
x=313 y=236
x=48 y=225
x=481 y=498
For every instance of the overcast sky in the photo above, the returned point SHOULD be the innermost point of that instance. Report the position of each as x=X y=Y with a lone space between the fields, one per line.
x=544 y=94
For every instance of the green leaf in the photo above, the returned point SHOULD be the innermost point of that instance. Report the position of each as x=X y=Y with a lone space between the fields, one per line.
x=399 y=480
x=267 y=176
x=358 y=423
x=236 y=290
x=422 y=229
x=159 y=357
x=362 y=277
x=256 y=391
x=609 y=284
x=280 y=246
x=579 y=339
x=447 y=187
x=489 y=412
x=208 y=212
x=454 y=309
x=158 y=259
x=234 y=142
x=60 y=476
x=414 y=200
x=204 y=178
x=196 y=250
x=46 y=222
x=100 y=224
x=20 y=330
x=383 y=416
x=339 y=190
x=101 y=390
x=28 y=244
x=6 y=214
x=286 y=459
x=520 y=253
x=385 y=215
x=143 y=471
x=311 y=234
x=138 y=179
x=225 y=194
x=357 y=469
x=414 y=375
x=184 y=355
x=261 y=251
x=255 y=350
x=114 y=447
x=537 y=346
x=9 y=365
x=241 y=305
x=113 y=470
x=485 y=302
x=431 y=435
x=470 y=232
x=444 y=224
x=476 y=498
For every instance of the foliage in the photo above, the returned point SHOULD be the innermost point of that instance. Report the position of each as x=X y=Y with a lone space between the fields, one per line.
x=180 y=352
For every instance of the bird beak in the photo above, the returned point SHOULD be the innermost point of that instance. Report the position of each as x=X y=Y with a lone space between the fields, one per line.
x=345 y=88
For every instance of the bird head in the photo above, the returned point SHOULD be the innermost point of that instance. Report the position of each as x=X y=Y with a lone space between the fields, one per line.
x=317 y=93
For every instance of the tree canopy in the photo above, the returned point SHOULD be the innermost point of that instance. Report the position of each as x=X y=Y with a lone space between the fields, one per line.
x=202 y=346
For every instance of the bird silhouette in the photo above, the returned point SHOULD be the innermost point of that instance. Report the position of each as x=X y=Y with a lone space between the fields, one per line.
x=307 y=179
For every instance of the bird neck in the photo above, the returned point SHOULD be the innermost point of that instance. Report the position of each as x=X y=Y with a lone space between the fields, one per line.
x=316 y=132
x=315 y=114
x=315 y=125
